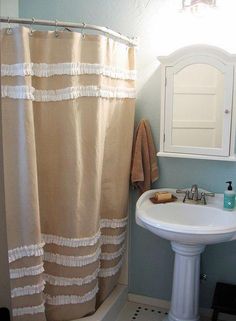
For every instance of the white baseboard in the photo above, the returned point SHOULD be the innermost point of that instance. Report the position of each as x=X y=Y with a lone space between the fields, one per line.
x=204 y=313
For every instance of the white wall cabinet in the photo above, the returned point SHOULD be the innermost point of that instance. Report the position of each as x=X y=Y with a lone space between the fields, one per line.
x=197 y=113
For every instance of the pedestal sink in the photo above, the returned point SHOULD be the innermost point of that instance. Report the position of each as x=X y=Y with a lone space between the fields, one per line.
x=189 y=227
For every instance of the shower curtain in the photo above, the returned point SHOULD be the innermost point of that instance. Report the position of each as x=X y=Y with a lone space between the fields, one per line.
x=68 y=112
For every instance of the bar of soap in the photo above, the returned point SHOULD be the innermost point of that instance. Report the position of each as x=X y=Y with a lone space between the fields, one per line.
x=163 y=196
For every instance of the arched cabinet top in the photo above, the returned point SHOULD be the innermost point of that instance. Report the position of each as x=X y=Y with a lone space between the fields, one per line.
x=197 y=50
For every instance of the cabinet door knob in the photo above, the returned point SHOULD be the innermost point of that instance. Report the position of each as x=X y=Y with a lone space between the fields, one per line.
x=227 y=111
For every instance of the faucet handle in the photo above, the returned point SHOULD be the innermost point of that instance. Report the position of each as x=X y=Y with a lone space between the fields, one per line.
x=204 y=194
x=185 y=192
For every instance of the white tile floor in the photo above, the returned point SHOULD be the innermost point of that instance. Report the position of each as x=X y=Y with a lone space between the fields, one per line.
x=141 y=312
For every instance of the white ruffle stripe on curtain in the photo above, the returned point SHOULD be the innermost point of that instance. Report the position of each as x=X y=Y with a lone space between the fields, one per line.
x=27 y=92
x=71 y=261
x=64 y=125
x=69 y=68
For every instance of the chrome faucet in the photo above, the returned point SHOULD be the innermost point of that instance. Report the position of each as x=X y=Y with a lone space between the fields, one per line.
x=194 y=192
x=194 y=195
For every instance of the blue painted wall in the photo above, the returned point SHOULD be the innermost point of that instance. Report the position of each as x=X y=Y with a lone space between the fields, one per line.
x=161 y=29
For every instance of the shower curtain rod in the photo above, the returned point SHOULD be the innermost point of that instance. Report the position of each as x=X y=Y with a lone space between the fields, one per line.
x=83 y=26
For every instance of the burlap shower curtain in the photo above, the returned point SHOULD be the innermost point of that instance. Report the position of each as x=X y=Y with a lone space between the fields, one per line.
x=68 y=109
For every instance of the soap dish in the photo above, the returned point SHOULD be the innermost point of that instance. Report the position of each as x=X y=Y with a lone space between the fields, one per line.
x=155 y=201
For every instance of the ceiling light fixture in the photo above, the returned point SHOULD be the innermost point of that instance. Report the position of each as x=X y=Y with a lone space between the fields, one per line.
x=196 y=5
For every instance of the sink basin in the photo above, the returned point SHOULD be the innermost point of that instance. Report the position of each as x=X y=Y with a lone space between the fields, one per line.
x=189 y=227
x=187 y=223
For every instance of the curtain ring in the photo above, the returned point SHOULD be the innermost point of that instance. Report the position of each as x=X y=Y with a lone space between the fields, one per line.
x=31 y=26
x=82 y=30
x=105 y=34
x=9 y=29
x=56 y=30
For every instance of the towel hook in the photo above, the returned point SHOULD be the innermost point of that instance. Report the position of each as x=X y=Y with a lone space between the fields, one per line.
x=31 y=26
x=56 y=28
x=9 y=29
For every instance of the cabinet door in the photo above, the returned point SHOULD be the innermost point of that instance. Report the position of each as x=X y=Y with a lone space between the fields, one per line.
x=198 y=106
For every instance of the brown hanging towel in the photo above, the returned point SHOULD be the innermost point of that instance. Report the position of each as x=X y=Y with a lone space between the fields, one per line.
x=144 y=169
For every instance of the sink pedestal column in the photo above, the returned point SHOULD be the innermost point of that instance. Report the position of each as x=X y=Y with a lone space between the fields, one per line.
x=185 y=289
